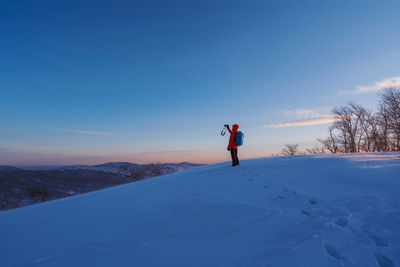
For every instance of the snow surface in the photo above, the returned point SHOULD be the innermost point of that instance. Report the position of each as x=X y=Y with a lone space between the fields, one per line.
x=336 y=210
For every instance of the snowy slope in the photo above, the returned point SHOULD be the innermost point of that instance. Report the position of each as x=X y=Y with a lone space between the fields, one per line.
x=341 y=210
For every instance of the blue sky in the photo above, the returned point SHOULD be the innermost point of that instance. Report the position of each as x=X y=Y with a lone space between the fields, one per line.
x=149 y=81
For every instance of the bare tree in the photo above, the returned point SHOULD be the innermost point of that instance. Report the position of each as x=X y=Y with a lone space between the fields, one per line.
x=363 y=140
x=357 y=129
x=352 y=129
x=383 y=138
x=346 y=129
x=390 y=102
x=374 y=133
x=331 y=142
x=290 y=149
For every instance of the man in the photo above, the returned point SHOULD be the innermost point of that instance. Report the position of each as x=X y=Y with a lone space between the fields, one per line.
x=232 y=147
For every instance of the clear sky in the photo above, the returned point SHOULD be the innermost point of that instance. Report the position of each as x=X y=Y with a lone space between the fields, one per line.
x=147 y=81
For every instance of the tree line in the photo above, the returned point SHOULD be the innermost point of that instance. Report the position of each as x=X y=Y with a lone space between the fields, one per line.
x=358 y=129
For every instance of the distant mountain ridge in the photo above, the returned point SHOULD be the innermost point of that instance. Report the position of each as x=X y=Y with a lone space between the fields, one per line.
x=21 y=187
x=126 y=169
x=4 y=168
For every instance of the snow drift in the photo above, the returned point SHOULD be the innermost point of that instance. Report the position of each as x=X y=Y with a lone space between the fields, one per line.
x=341 y=210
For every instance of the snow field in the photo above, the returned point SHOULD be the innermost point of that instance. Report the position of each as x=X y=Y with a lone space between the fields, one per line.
x=331 y=210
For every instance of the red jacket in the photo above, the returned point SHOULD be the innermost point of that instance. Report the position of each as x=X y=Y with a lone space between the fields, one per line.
x=232 y=138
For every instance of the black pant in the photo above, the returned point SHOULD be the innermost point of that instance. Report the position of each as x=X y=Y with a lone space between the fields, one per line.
x=235 y=160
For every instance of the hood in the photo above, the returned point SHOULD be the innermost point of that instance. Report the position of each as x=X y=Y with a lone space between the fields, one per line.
x=235 y=127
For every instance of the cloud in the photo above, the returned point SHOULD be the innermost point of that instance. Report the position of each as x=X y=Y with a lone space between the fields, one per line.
x=90 y=132
x=377 y=86
x=301 y=113
x=305 y=113
x=303 y=122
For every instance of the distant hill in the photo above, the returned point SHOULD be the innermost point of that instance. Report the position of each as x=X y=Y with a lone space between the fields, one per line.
x=139 y=171
x=20 y=187
x=4 y=168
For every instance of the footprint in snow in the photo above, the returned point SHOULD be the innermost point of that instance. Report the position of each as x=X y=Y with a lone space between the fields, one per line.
x=380 y=241
x=305 y=212
x=312 y=201
x=333 y=251
x=383 y=260
x=294 y=193
x=341 y=221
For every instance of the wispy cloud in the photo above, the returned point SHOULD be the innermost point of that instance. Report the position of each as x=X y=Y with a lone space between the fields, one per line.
x=89 y=132
x=305 y=113
x=377 y=86
x=303 y=122
x=300 y=113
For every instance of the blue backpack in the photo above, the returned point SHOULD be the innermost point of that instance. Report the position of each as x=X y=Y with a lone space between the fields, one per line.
x=239 y=138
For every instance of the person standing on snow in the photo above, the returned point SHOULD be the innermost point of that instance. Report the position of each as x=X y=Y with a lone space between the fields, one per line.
x=232 y=147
